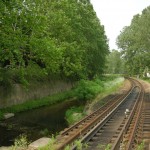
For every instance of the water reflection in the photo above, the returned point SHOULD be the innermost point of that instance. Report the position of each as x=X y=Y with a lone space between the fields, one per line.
x=36 y=123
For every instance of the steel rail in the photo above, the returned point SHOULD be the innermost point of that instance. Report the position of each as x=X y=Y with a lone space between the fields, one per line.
x=100 y=124
x=120 y=137
x=88 y=124
x=66 y=131
x=75 y=126
x=136 y=112
x=137 y=119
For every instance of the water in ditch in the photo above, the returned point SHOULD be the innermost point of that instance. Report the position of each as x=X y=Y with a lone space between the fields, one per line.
x=35 y=123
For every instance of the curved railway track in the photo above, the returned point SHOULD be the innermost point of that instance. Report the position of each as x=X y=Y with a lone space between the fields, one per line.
x=118 y=124
x=137 y=131
x=129 y=138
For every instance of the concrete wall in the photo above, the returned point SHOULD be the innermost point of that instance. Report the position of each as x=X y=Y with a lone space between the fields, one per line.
x=18 y=94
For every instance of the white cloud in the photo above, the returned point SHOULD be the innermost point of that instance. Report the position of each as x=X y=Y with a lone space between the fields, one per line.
x=115 y=14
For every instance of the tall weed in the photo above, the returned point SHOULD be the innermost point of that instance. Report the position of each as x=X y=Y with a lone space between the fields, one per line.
x=74 y=114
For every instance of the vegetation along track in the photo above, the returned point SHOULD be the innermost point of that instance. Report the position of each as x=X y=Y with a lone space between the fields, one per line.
x=99 y=128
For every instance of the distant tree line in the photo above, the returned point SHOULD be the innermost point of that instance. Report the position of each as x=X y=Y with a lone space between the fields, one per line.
x=57 y=37
x=134 y=42
x=115 y=63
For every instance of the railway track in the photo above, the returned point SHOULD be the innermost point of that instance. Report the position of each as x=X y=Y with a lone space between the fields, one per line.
x=146 y=121
x=130 y=135
x=118 y=124
x=137 y=134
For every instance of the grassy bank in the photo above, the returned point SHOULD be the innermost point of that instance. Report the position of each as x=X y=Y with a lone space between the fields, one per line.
x=109 y=88
x=92 y=92
x=148 y=80
x=50 y=100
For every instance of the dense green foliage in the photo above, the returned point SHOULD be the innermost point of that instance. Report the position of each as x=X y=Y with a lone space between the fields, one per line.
x=135 y=44
x=87 y=90
x=115 y=63
x=63 y=38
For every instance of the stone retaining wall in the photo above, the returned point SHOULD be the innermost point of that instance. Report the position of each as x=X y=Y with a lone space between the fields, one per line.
x=18 y=94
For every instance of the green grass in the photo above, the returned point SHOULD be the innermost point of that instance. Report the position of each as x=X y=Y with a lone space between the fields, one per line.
x=140 y=146
x=109 y=88
x=38 y=103
x=20 y=142
x=148 y=80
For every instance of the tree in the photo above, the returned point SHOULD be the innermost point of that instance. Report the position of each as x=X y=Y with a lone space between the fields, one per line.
x=115 y=63
x=134 y=43
x=61 y=37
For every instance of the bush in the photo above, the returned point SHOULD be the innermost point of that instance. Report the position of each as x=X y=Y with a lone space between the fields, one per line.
x=87 y=90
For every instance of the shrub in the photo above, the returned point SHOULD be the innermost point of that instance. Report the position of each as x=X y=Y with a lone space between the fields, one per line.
x=87 y=90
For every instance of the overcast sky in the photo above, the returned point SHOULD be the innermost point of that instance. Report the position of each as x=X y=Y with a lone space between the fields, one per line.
x=115 y=14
